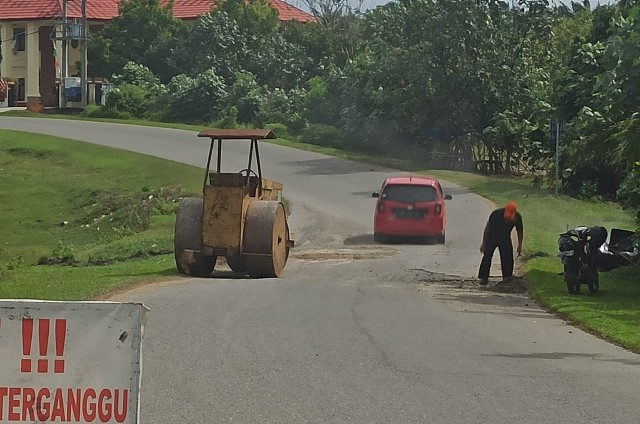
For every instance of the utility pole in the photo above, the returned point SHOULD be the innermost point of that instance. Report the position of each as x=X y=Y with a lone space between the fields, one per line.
x=556 y=131
x=65 y=57
x=557 y=181
x=83 y=58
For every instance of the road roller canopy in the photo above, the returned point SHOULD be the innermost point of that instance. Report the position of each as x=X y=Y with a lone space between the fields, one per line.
x=218 y=135
x=238 y=134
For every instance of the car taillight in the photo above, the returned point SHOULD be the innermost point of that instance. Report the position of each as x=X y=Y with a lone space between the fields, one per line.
x=438 y=209
x=381 y=207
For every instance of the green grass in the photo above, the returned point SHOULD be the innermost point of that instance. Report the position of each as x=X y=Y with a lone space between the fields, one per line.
x=76 y=117
x=613 y=313
x=82 y=204
x=82 y=283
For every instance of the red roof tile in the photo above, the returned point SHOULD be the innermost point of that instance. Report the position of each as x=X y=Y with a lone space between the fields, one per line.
x=12 y=10
x=191 y=9
x=28 y=9
x=288 y=12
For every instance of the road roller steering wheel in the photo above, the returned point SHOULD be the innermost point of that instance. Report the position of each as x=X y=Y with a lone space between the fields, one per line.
x=248 y=173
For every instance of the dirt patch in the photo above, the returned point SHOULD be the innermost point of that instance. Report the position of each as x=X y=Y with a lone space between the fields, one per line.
x=343 y=254
x=516 y=285
x=513 y=285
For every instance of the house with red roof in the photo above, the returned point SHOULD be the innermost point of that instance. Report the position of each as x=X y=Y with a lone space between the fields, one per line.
x=31 y=37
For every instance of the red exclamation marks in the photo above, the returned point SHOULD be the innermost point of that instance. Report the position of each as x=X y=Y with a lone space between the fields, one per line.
x=44 y=329
x=61 y=337
x=27 y=338
x=43 y=332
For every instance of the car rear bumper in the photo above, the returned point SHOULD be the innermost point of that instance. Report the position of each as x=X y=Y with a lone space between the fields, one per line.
x=409 y=227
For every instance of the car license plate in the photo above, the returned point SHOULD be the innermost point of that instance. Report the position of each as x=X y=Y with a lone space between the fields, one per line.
x=410 y=214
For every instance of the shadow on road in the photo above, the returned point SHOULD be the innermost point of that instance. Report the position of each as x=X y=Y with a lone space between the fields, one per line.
x=360 y=239
x=456 y=191
x=367 y=239
x=565 y=355
x=546 y=355
x=329 y=166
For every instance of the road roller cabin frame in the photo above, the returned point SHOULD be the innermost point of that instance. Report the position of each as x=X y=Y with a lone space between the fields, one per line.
x=240 y=217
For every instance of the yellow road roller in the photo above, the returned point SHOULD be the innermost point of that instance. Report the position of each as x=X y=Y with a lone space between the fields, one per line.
x=240 y=217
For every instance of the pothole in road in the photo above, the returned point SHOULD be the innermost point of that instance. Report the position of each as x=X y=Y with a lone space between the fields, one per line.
x=343 y=254
x=514 y=285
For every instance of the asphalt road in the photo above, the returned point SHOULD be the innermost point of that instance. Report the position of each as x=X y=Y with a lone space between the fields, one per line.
x=357 y=332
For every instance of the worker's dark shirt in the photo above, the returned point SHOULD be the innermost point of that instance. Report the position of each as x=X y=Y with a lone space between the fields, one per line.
x=500 y=229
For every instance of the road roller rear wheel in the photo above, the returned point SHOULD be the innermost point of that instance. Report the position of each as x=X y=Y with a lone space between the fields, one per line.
x=188 y=236
x=266 y=239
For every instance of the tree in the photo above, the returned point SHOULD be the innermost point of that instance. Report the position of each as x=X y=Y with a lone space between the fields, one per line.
x=240 y=36
x=618 y=89
x=598 y=93
x=435 y=69
x=144 y=32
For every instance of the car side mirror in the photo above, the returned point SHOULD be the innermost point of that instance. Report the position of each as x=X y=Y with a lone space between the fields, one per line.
x=447 y=197
x=375 y=194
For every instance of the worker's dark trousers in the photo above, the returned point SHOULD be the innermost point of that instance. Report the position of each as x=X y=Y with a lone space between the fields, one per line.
x=506 y=258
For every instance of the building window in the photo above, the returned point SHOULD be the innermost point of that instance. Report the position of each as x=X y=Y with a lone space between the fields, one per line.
x=18 y=40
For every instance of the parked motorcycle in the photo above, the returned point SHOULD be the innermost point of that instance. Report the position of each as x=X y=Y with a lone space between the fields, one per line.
x=622 y=249
x=584 y=252
x=578 y=250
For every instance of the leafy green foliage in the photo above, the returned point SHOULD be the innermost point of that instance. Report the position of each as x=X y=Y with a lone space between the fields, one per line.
x=323 y=135
x=598 y=92
x=629 y=191
x=240 y=35
x=479 y=79
x=129 y=100
x=97 y=111
x=195 y=99
x=283 y=107
x=144 y=32
x=137 y=74
x=318 y=104
x=439 y=70
x=63 y=254
x=246 y=96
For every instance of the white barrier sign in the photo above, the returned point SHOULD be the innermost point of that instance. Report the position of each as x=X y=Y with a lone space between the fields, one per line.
x=77 y=362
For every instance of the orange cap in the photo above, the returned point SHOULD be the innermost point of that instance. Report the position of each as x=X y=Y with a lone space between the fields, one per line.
x=510 y=210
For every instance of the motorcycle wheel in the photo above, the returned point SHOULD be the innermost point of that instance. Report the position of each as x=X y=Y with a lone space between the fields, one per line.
x=576 y=288
x=572 y=278
x=594 y=284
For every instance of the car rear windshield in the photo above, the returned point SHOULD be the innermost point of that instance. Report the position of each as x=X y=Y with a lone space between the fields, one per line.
x=410 y=193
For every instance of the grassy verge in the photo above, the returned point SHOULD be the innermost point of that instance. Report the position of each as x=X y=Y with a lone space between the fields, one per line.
x=613 y=313
x=77 y=117
x=75 y=205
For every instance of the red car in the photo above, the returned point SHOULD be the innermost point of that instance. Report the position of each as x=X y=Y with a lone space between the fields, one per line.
x=410 y=206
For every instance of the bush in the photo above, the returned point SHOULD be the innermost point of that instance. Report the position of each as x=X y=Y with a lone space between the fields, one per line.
x=589 y=191
x=228 y=118
x=197 y=99
x=129 y=99
x=592 y=182
x=247 y=96
x=323 y=135
x=629 y=191
x=92 y=111
x=98 y=111
x=282 y=107
x=280 y=130
x=136 y=74
x=318 y=104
